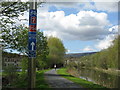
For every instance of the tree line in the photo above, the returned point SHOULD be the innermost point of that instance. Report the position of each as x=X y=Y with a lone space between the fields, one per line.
x=107 y=58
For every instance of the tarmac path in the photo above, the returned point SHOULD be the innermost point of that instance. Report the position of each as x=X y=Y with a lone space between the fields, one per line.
x=57 y=81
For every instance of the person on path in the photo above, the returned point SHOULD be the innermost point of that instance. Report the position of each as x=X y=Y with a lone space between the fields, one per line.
x=55 y=66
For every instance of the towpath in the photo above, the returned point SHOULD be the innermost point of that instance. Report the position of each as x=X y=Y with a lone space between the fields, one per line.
x=57 y=81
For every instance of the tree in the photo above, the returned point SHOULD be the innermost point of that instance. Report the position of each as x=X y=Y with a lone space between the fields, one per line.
x=42 y=50
x=8 y=15
x=15 y=36
x=56 y=51
x=18 y=40
x=118 y=52
x=107 y=58
x=11 y=73
x=10 y=12
x=114 y=53
x=24 y=64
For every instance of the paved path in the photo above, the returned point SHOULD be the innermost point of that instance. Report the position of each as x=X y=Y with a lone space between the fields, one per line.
x=56 y=81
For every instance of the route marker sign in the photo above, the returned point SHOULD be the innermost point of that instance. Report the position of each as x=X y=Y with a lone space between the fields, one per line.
x=32 y=33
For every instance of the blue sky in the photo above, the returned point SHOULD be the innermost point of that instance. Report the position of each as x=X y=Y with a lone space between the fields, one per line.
x=76 y=45
x=83 y=27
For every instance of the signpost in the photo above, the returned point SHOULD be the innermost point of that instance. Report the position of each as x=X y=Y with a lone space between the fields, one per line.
x=32 y=44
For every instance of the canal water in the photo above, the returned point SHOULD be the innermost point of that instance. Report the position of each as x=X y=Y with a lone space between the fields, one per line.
x=104 y=79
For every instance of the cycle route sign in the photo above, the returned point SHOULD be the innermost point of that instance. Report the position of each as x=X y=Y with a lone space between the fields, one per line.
x=32 y=33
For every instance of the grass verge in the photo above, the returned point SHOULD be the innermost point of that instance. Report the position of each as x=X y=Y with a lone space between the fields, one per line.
x=81 y=82
x=40 y=80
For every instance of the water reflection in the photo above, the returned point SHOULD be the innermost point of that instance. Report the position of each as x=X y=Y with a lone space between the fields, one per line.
x=107 y=80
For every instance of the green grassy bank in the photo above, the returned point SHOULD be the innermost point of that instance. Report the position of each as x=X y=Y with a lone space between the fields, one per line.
x=81 y=82
x=40 y=80
x=21 y=81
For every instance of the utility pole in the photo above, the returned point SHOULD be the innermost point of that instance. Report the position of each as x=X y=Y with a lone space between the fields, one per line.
x=32 y=44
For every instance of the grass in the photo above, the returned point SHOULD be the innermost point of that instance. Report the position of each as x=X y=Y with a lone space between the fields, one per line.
x=0 y=73
x=21 y=82
x=40 y=80
x=81 y=82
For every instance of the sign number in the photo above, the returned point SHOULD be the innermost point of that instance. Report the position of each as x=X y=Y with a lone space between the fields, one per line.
x=33 y=20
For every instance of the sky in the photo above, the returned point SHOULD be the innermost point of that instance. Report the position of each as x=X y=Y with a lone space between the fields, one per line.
x=88 y=26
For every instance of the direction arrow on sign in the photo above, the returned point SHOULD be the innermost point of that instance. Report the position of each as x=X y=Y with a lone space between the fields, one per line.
x=32 y=44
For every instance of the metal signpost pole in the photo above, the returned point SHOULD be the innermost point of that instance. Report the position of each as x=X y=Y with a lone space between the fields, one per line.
x=32 y=44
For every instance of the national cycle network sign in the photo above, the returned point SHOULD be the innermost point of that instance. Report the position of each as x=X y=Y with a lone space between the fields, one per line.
x=32 y=33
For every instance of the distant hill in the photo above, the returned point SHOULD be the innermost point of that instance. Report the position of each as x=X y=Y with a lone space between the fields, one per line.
x=77 y=55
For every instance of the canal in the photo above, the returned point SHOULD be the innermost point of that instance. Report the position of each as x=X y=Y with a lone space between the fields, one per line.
x=104 y=79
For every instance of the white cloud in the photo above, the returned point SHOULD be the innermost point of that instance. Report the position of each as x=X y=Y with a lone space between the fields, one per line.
x=88 y=49
x=49 y=33
x=68 y=51
x=106 y=5
x=114 y=29
x=107 y=41
x=109 y=6
x=24 y=18
x=60 y=5
x=85 y=25
x=106 y=1
x=103 y=5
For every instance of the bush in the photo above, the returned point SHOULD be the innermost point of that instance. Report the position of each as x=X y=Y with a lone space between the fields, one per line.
x=11 y=73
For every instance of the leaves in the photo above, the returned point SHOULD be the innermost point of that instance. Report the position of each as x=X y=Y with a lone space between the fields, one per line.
x=9 y=12
x=56 y=50
x=105 y=59
x=13 y=9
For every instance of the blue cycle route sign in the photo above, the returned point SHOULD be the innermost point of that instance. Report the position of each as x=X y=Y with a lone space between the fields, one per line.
x=32 y=33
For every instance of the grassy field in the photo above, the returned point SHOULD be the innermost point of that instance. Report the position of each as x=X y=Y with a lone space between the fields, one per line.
x=81 y=82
